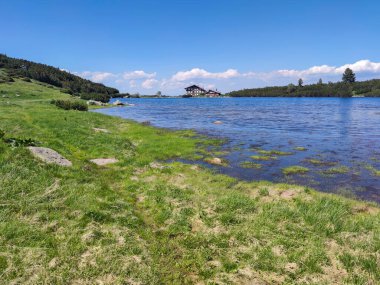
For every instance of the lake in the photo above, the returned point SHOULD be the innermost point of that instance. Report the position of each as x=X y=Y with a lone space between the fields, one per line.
x=336 y=139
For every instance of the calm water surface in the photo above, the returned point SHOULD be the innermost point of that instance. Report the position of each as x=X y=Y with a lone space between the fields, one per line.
x=343 y=132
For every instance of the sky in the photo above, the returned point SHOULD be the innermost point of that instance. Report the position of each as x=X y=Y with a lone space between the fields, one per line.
x=147 y=46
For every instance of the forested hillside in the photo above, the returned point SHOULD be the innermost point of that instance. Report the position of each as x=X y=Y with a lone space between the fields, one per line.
x=44 y=73
x=370 y=88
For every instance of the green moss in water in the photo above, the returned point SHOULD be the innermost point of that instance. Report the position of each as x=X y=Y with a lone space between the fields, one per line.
x=250 y=164
x=300 y=148
x=263 y=157
x=273 y=152
x=336 y=170
x=374 y=170
x=295 y=169
x=320 y=162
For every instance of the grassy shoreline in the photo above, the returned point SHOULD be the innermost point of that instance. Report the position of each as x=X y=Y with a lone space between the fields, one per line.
x=142 y=221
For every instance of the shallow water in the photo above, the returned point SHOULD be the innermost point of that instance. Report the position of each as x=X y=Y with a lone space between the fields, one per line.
x=340 y=131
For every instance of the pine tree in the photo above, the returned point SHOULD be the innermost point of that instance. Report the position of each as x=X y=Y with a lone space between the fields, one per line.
x=348 y=76
x=300 y=82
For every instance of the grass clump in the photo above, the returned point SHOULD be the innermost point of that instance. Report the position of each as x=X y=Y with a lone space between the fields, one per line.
x=320 y=162
x=273 y=152
x=250 y=164
x=295 y=169
x=300 y=148
x=70 y=104
x=373 y=170
x=263 y=157
x=336 y=170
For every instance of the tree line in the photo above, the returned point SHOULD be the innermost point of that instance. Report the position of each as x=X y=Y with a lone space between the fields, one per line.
x=71 y=83
x=347 y=87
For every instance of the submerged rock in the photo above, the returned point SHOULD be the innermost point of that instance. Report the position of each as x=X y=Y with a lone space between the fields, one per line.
x=49 y=156
x=218 y=122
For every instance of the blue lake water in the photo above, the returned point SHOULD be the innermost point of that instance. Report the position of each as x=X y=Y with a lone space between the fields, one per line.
x=336 y=132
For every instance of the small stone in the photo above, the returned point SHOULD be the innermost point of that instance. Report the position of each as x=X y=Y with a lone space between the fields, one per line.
x=156 y=165
x=215 y=160
x=49 y=156
x=194 y=167
x=100 y=130
x=104 y=161
x=291 y=267
x=118 y=103
x=288 y=194
x=53 y=263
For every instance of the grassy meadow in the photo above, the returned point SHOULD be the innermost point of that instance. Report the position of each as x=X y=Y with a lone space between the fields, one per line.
x=147 y=221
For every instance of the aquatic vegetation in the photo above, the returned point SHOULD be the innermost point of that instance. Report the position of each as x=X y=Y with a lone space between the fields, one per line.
x=250 y=164
x=300 y=148
x=320 y=162
x=295 y=169
x=374 y=170
x=336 y=170
x=263 y=157
x=273 y=152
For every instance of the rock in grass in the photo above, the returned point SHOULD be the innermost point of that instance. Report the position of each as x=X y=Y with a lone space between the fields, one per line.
x=49 y=156
x=100 y=130
x=104 y=161
x=215 y=160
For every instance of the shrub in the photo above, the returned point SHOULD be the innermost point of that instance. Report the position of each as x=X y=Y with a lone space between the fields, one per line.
x=96 y=96
x=70 y=105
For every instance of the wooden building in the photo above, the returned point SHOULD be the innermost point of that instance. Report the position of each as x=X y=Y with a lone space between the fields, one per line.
x=212 y=93
x=194 y=91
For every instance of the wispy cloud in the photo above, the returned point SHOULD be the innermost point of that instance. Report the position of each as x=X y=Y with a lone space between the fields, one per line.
x=149 y=83
x=138 y=74
x=197 y=73
x=96 y=76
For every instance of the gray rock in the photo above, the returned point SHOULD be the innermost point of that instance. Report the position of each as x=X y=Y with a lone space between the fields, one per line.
x=118 y=103
x=49 y=156
x=104 y=161
x=100 y=130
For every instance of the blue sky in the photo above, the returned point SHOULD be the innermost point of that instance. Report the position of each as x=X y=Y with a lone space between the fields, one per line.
x=144 y=46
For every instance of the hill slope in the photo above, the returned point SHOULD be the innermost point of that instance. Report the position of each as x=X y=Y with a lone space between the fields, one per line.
x=370 y=88
x=44 y=73
x=141 y=221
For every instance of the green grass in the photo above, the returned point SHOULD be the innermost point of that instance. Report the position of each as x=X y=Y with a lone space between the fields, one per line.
x=295 y=169
x=134 y=223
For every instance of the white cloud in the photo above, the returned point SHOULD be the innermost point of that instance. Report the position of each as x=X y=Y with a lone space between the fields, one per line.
x=149 y=83
x=95 y=76
x=138 y=74
x=360 y=66
x=132 y=83
x=201 y=73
